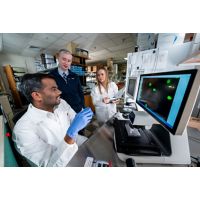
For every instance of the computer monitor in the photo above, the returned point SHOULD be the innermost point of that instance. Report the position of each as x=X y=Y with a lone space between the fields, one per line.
x=169 y=97
x=132 y=87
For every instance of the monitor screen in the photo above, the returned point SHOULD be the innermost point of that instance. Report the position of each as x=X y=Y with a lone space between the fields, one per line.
x=169 y=97
x=131 y=87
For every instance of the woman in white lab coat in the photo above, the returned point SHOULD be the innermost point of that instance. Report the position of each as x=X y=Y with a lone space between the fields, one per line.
x=101 y=95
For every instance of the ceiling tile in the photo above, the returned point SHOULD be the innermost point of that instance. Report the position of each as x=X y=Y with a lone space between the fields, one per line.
x=108 y=44
x=59 y=42
x=122 y=46
x=39 y=43
x=102 y=38
x=95 y=48
x=30 y=53
x=57 y=45
x=118 y=35
x=12 y=49
x=69 y=37
x=81 y=40
x=100 y=52
x=88 y=35
x=121 y=41
x=16 y=39
x=50 y=37
x=100 y=45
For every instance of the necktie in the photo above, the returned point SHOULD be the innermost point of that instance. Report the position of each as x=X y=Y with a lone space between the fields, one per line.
x=65 y=77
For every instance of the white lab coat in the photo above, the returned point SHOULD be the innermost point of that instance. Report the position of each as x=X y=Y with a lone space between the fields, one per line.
x=39 y=135
x=104 y=111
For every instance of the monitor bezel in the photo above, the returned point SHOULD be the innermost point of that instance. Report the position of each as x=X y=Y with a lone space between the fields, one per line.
x=135 y=88
x=182 y=109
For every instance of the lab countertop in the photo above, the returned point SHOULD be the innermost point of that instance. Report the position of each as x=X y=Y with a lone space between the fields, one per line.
x=100 y=146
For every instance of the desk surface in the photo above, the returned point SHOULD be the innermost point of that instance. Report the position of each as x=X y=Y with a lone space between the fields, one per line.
x=100 y=146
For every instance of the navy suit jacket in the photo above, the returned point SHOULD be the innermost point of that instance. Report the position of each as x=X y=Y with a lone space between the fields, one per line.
x=72 y=91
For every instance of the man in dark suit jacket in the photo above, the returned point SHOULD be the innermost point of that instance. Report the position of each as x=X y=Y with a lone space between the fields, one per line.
x=68 y=82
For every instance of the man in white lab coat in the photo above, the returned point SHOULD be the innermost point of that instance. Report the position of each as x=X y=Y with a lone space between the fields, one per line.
x=47 y=134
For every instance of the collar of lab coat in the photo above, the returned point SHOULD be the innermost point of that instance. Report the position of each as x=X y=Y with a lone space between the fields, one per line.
x=104 y=91
x=39 y=114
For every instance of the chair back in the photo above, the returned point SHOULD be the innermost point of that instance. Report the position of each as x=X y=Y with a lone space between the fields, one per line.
x=21 y=160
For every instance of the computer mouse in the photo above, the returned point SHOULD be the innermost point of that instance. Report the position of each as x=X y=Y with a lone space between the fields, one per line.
x=130 y=162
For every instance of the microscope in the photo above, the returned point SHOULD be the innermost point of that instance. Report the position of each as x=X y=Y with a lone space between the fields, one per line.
x=130 y=128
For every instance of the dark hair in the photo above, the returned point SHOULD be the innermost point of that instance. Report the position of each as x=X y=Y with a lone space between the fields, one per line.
x=32 y=83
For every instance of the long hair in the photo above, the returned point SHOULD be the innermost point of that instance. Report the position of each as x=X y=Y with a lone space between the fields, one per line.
x=106 y=81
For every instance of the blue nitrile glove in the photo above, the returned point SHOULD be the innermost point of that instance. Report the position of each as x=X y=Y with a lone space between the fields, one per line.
x=79 y=122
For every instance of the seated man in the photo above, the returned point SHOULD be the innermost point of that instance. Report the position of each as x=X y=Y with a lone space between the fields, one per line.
x=47 y=134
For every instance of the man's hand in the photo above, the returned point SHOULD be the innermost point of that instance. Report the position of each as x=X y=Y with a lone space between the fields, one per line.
x=79 y=122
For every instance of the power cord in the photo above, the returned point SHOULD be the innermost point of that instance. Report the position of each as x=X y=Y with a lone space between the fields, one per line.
x=197 y=160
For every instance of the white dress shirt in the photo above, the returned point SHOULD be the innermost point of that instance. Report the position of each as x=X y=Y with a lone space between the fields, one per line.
x=104 y=111
x=60 y=71
x=39 y=135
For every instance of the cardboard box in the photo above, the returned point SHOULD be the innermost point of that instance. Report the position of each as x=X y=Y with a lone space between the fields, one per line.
x=88 y=68
x=76 y=60
x=72 y=47
x=82 y=52
x=194 y=123
x=94 y=69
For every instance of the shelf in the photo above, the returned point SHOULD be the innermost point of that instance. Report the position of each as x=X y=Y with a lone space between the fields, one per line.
x=18 y=70
x=13 y=81
x=79 y=60
x=47 y=60
x=74 y=63
x=48 y=70
x=87 y=58
x=18 y=74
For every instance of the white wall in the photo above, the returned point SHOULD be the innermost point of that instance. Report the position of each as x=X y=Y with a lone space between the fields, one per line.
x=18 y=61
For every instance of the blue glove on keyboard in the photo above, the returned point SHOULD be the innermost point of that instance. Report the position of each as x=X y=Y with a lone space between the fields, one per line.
x=79 y=122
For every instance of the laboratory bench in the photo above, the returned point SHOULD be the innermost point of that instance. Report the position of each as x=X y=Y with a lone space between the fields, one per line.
x=101 y=146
